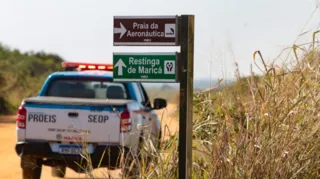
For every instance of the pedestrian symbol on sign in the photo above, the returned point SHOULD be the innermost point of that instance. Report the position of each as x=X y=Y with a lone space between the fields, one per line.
x=169 y=67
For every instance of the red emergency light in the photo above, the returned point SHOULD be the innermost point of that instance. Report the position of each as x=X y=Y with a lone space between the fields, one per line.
x=86 y=66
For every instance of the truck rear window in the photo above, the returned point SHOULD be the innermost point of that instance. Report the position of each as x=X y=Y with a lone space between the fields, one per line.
x=77 y=88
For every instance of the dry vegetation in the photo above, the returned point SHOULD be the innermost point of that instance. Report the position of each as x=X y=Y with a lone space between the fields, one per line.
x=258 y=127
x=263 y=127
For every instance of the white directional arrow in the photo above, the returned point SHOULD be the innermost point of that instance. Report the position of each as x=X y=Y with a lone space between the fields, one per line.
x=120 y=64
x=122 y=30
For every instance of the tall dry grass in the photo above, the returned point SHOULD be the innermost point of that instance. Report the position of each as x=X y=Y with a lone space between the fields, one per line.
x=258 y=127
x=264 y=126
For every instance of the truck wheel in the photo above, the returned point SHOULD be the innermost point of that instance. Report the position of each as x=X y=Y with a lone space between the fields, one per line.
x=130 y=168
x=58 y=171
x=31 y=167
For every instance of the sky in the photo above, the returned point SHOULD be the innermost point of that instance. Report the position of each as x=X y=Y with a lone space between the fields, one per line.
x=225 y=30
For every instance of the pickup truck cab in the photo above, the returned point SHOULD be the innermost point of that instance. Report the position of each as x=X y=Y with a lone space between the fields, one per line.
x=82 y=117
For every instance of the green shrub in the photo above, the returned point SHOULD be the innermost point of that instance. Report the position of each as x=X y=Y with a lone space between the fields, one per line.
x=22 y=75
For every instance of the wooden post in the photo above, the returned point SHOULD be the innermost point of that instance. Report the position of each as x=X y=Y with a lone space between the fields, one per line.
x=186 y=37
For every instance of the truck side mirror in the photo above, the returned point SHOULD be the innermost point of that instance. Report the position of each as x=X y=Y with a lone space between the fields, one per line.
x=159 y=103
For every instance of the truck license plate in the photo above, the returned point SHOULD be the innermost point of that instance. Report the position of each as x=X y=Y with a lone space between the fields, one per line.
x=67 y=149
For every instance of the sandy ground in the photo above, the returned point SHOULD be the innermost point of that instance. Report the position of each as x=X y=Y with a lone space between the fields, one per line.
x=10 y=162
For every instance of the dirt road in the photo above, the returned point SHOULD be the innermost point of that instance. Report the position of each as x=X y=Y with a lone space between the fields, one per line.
x=10 y=162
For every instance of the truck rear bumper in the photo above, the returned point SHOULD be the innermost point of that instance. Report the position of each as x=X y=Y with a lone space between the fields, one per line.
x=107 y=156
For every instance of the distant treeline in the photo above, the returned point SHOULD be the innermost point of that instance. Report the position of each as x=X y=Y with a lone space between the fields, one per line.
x=22 y=75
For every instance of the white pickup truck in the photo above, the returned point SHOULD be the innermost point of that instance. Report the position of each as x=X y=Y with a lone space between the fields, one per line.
x=82 y=112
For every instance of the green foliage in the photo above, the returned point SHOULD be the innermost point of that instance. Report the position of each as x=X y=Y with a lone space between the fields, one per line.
x=22 y=75
x=5 y=107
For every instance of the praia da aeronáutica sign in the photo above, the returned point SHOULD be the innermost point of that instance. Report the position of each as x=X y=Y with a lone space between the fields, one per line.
x=145 y=67
x=145 y=30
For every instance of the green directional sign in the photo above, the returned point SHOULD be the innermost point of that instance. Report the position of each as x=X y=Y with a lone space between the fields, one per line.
x=145 y=67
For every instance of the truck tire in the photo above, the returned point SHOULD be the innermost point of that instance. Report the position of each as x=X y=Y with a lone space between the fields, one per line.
x=130 y=169
x=31 y=167
x=58 y=171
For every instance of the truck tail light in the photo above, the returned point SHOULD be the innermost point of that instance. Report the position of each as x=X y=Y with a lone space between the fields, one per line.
x=21 y=117
x=125 y=121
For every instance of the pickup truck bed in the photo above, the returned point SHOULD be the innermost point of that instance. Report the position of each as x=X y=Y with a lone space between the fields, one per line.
x=77 y=101
x=74 y=120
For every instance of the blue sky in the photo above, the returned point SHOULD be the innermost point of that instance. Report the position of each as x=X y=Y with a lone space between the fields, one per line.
x=225 y=30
